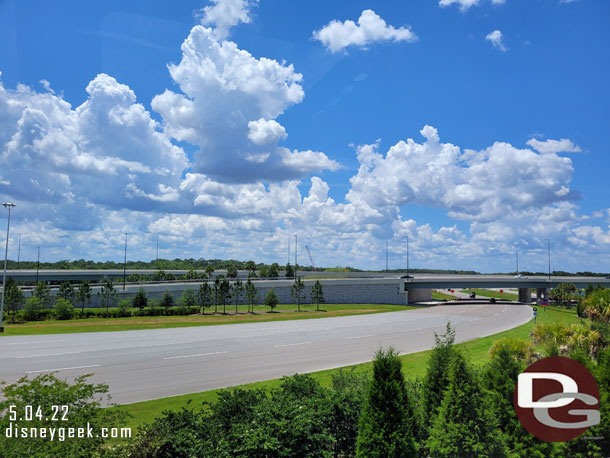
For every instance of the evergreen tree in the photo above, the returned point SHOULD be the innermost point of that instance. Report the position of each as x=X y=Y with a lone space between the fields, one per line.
x=500 y=379
x=387 y=424
x=42 y=292
x=140 y=301
x=289 y=271
x=204 y=295
x=14 y=298
x=317 y=294
x=167 y=300
x=66 y=292
x=188 y=298
x=274 y=270
x=437 y=375
x=296 y=291
x=271 y=299
x=464 y=426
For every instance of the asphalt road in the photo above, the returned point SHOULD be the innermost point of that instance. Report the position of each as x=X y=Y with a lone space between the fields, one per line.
x=149 y=364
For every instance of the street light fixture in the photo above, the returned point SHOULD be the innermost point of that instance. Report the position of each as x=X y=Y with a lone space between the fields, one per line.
x=9 y=206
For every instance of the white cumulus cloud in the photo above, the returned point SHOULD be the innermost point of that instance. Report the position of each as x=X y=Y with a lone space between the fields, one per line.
x=497 y=40
x=554 y=146
x=371 y=28
x=226 y=14
x=265 y=131
x=228 y=107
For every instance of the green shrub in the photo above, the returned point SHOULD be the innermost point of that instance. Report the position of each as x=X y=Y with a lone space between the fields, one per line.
x=124 y=309
x=64 y=310
x=32 y=309
x=140 y=301
x=167 y=300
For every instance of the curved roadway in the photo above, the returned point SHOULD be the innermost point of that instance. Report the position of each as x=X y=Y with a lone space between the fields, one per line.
x=148 y=364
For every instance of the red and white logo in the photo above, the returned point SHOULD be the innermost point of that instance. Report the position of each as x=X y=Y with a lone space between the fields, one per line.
x=557 y=399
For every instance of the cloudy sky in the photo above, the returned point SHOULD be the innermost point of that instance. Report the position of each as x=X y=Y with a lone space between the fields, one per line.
x=473 y=127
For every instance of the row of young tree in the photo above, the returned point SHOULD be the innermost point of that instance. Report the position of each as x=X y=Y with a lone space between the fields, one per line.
x=220 y=292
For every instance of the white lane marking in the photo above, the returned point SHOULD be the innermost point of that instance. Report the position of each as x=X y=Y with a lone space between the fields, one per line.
x=62 y=369
x=36 y=342
x=360 y=337
x=161 y=344
x=292 y=345
x=411 y=330
x=48 y=354
x=255 y=335
x=198 y=354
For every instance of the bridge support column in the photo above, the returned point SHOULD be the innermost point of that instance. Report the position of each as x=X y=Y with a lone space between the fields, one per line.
x=525 y=295
x=542 y=293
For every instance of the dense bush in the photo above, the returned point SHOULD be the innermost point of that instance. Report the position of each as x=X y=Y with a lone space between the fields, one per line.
x=64 y=310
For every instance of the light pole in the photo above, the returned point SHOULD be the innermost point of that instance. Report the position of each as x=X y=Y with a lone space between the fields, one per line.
x=9 y=206
x=548 y=247
x=19 y=252
x=517 y=260
x=125 y=263
x=407 y=258
x=296 y=268
x=37 y=265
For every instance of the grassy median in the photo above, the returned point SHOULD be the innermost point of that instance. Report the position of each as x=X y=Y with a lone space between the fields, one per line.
x=414 y=365
x=282 y=312
x=491 y=293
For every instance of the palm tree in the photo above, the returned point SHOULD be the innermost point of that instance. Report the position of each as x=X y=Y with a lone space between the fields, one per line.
x=209 y=270
x=204 y=295
x=251 y=293
x=237 y=290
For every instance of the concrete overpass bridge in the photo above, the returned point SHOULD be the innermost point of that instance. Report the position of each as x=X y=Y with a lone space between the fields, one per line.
x=339 y=287
x=525 y=285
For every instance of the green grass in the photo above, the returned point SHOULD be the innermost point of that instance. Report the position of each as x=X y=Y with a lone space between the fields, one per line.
x=131 y=323
x=491 y=293
x=442 y=296
x=414 y=365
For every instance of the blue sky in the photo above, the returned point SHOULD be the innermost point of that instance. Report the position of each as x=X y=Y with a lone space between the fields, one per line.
x=224 y=128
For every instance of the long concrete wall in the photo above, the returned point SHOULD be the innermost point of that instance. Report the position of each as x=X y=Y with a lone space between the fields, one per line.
x=336 y=291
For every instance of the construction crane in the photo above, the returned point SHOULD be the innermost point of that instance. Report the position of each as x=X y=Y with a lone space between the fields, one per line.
x=310 y=258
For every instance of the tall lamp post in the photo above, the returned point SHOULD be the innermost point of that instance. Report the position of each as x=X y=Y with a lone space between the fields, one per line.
x=548 y=248
x=296 y=268
x=37 y=265
x=125 y=263
x=9 y=206
x=407 y=258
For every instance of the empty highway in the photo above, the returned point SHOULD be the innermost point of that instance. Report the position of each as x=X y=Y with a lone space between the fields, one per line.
x=149 y=364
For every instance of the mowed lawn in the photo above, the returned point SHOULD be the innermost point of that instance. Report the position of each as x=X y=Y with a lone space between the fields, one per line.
x=414 y=365
x=282 y=312
x=492 y=293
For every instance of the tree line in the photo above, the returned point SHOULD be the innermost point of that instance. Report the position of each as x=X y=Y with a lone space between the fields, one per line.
x=71 y=300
